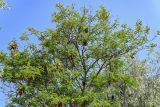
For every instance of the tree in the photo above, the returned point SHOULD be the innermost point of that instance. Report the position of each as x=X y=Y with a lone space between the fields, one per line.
x=141 y=89
x=149 y=92
x=2 y=4
x=75 y=63
x=131 y=83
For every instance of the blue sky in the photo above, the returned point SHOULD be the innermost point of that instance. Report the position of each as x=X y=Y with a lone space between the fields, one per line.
x=37 y=14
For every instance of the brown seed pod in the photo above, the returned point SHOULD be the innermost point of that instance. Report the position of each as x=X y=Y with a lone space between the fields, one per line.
x=85 y=43
x=57 y=66
x=30 y=80
x=71 y=56
x=13 y=46
x=21 y=92
x=109 y=82
x=112 y=98
x=86 y=30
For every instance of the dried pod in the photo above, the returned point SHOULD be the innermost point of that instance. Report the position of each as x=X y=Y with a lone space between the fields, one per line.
x=57 y=66
x=21 y=91
x=71 y=56
x=86 y=30
x=13 y=46
x=109 y=82
x=112 y=98
x=30 y=80
x=85 y=43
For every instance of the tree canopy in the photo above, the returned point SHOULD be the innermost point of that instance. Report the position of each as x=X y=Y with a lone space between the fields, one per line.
x=87 y=60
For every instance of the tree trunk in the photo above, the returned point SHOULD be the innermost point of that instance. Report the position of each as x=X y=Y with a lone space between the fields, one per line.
x=74 y=104
x=124 y=96
x=59 y=105
x=84 y=104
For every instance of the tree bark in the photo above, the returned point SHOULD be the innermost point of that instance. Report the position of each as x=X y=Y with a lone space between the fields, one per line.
x=124 y=96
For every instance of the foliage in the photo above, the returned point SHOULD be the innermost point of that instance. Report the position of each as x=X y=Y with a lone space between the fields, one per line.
x=82 y=61
x=2 y=4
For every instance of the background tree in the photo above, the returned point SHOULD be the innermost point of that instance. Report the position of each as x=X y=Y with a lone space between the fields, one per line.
x=76 y=63
x=141 y=89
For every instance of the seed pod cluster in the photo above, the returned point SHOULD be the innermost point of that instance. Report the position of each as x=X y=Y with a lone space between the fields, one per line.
x=86 y=30
x=84 y=43
x=71 y=56
x=13 y=46
x=21 y=91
